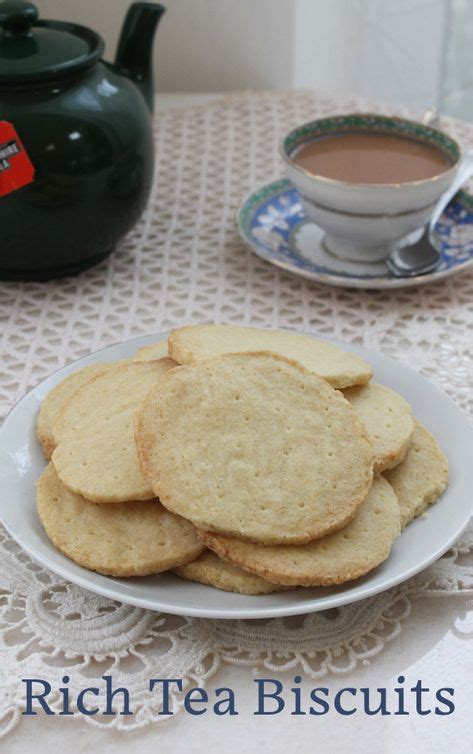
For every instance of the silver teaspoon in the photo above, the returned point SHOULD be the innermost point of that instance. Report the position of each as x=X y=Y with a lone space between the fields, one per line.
x=422 y=257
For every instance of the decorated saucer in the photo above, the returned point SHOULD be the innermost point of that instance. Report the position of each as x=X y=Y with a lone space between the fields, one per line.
x=273 y=224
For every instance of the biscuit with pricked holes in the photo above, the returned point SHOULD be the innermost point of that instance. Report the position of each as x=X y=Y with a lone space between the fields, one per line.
x=96 y=456
x=422 y=476
x=57 y=398
x=254 y=445
x=388 y=420
x=346 y=555
x=127 y=539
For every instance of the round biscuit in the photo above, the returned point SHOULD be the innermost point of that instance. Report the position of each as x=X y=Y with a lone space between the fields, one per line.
x=96 y=455
x=57 y=398
x=348 y=554
x=388 y=420
x=255 y=446
x=187 y=345
x=211 y=570
x=128 y=539
x=422 y=476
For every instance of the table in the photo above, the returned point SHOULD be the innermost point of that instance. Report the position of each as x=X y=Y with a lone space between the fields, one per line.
x=429 y=640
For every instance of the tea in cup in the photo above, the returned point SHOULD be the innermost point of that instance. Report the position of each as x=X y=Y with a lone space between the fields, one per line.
x=369 y=180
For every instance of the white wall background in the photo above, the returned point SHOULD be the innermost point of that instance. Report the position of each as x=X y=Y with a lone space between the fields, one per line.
x=457 y=82
x=412 y=52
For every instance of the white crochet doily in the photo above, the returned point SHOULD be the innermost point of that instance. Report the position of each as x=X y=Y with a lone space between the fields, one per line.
x=185 y=263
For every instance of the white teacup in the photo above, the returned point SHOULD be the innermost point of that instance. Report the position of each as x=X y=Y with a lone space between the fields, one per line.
x=363 y=222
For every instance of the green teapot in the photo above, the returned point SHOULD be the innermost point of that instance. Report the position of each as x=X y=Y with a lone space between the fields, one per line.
x=76 y=140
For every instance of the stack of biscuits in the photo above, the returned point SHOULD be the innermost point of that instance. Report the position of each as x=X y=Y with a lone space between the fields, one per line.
x=247 y=459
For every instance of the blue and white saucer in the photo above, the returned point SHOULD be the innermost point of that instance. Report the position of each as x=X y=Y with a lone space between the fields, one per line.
x=273 y=224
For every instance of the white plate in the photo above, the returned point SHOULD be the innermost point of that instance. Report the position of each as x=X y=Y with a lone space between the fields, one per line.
x=21 y=463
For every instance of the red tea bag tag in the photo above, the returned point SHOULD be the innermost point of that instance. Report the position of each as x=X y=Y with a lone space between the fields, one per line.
x=16 y=169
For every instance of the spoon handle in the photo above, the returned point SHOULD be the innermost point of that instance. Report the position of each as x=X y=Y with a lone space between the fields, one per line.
x=464 y=172
x=430 y=117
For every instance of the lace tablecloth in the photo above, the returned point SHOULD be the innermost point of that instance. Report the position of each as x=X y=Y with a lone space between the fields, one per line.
x=184 y=263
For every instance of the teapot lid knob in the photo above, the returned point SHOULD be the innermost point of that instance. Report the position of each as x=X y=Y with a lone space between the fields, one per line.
x=18 y=17
x=33 y=50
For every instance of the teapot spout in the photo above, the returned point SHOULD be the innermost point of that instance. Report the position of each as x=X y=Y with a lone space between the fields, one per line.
x=135 y=49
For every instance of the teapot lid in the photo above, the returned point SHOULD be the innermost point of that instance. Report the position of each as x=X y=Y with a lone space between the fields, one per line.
x=32 y=50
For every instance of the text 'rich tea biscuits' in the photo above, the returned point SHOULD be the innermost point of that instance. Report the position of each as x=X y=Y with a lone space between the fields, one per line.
x=352 y=552
x=96 y=454
x=188 y=345
x=211 y=570
x=57 y=398
x=255 y=446
x=388 y=420
x=422 y=476
x=126 y=539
